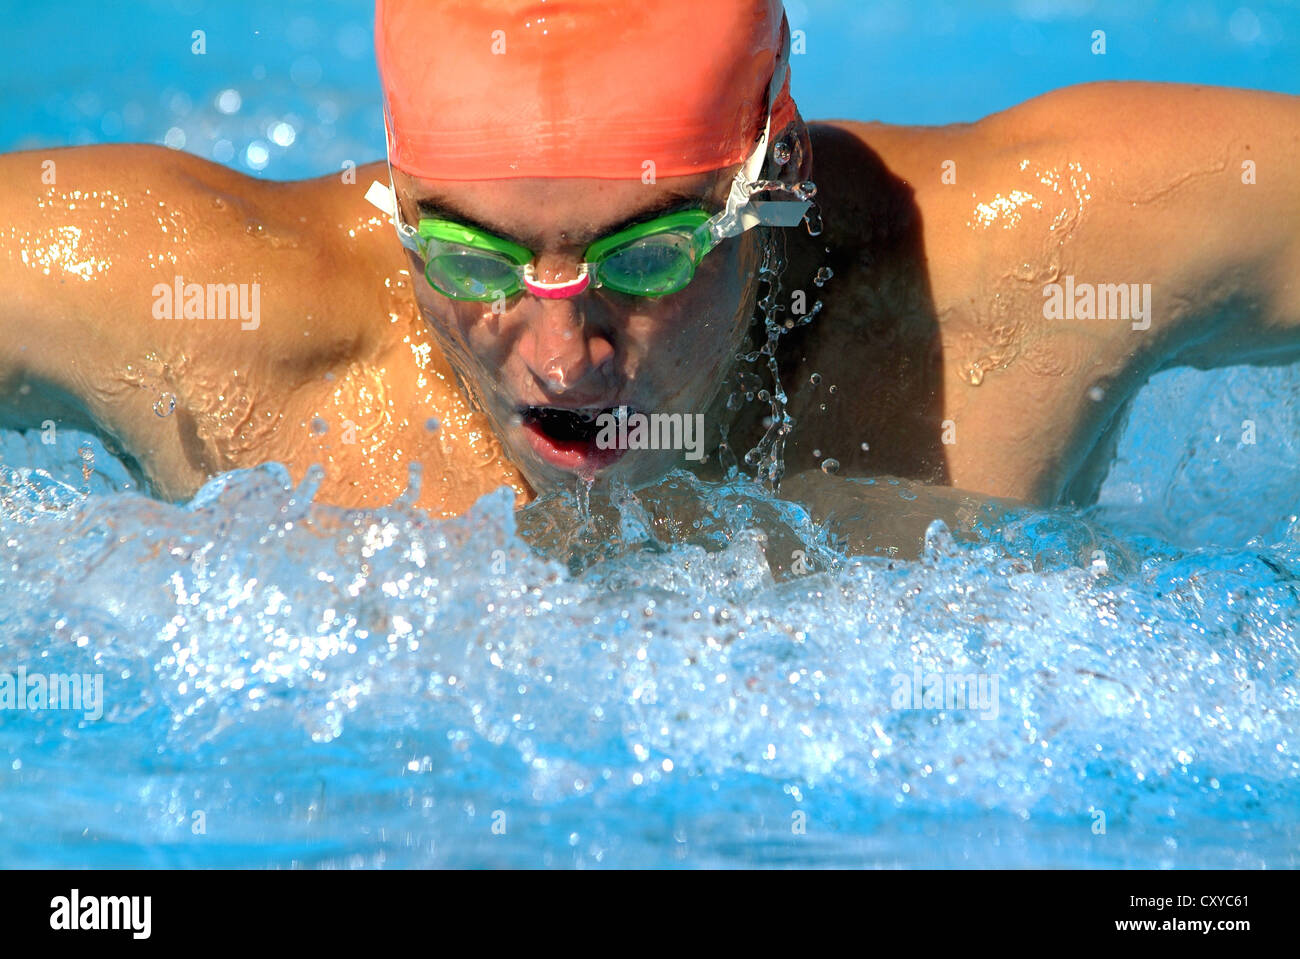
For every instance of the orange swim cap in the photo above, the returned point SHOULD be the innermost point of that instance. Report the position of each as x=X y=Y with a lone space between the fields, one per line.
x=500 y=89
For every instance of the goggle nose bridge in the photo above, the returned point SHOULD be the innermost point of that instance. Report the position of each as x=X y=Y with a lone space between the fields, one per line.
x=560 y=289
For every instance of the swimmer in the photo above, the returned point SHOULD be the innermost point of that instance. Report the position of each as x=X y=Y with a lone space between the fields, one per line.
x=573 y=223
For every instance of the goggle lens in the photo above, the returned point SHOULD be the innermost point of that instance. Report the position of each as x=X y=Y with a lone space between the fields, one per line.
x=469 y=274
x=653 y=266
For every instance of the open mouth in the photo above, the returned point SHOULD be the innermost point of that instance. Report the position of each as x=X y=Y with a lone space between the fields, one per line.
x=570 y=439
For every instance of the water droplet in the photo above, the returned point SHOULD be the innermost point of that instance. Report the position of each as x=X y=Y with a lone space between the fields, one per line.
x=975 y=375
x=165 y=404
x=319 y=426
x=823 y=274
x=815 y=379
x=87 y=462
x=432 y=424
x=781 y=152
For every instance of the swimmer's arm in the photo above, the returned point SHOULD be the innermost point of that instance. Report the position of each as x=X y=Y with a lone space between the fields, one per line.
x=1108 y=183
x=1195 y=190
x=89 y=235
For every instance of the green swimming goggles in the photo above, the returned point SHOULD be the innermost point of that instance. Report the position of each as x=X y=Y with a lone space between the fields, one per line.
x=655 y=258
x=649 y=259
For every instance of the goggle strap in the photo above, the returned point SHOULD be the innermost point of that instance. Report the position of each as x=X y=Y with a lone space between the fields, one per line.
x=743 y=213
x=382 y=198
x=776 y=212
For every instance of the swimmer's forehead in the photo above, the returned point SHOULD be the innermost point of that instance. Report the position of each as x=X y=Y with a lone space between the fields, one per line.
x=531 y=214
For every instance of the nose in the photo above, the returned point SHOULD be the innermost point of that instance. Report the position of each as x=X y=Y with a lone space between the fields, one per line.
x=567 y=354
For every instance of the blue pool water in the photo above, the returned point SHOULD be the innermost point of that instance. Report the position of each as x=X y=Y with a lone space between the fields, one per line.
x=292 y=684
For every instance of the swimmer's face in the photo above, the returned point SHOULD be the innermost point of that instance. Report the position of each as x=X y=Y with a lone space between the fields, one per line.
x=537 y=364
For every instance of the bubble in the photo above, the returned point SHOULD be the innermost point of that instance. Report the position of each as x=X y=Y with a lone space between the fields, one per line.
x=1244 y=25
x=815 y=379
x=319 y=426
x=353 y=41
x=229 y=101
x=179 y=104
x=165 y=404
x=830 y=466
x=432 y=424
x=1096 y=394
x=832 y=389
x=282 y=134
x=865 y=447
x=174 y=138
x=823 y=274
x=256 y=155
x=781 y=152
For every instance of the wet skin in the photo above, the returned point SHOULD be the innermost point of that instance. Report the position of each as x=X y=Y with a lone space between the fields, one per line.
x=932 y=328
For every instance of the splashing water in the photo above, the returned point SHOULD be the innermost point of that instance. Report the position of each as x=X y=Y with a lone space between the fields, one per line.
x=767 y=456
x=692 y=674
x=339 y=688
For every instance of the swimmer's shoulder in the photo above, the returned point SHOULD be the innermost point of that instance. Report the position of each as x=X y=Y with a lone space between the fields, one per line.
x=98 y=239
x=93 y=231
